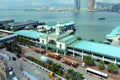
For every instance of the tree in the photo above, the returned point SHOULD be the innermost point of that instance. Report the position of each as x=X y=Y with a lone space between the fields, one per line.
x=71 y=72
x=92 y=40
x=113 y=68
x=78 y=76
x=79 y=38
x=88 y=60
x=101 y=65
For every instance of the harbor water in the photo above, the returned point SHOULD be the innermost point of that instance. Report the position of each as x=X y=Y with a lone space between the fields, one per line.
x=88 y=25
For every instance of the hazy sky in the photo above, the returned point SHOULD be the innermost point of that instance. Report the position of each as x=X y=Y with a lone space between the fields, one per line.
x=13 y=3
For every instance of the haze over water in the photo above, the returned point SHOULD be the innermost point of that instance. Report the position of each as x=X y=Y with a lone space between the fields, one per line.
x=88 y=26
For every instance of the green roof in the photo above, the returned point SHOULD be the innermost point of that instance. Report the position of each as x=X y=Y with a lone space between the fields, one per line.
x=64 y=24
x=68 y=23
x=68 y=38
x=115 y=32
x=53 y=35
x=74 y=43
x=30 y=34
x=97 y=48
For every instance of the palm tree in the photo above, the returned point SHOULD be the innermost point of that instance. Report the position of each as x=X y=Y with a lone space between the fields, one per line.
x=71 y=72
x=78 y=76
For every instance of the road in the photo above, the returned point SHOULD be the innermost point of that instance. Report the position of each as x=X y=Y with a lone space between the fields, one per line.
x=32 y=70
x=36 y=72
x=79 y=69
x=14 y=64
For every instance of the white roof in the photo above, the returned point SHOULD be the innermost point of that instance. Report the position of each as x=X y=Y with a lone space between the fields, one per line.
x=98 y=72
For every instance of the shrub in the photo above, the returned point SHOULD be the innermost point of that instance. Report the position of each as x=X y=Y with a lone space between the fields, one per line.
x=88 y=60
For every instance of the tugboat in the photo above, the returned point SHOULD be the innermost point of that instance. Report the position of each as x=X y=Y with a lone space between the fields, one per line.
x=103 y=18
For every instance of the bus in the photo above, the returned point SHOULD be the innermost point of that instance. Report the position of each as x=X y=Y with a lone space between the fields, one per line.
x=70 y=62
x=100 y=74
x=54 y=55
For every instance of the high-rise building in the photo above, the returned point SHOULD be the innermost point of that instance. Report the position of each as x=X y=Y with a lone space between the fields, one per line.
x=77 y=4
x=91 y=5
x=84 y=5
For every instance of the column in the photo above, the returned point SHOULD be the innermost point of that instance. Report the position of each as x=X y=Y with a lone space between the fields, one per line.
x=73 y=53
x=65 y=52
x=46 y=47
x=57 y=51
x=103 y=58
x=92 y=55
x=115 y=61
x=82 y=55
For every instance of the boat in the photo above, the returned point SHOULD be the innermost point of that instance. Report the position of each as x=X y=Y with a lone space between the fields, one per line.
x=102 y=18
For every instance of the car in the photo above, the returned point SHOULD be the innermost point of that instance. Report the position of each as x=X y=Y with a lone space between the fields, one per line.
x=14 y=78
x=11 y=74
x=10 y=69
x=63 y=69
x=14 y=58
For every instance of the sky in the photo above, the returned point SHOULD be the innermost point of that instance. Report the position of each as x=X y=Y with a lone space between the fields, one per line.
x=19 y=3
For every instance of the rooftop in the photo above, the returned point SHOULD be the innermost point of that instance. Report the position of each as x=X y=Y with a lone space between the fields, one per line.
x=97 y=48
x=115 y=32
x=6 y=37
x=30 y=34
x=23 y=23
x=64 y=24
x=67 y=39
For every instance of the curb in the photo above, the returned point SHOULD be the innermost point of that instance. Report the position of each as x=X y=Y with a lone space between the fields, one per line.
x=42 y=68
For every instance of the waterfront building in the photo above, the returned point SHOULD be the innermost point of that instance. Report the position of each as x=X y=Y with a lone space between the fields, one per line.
x=56 y=41
x=113 y=38
x=98 y=51
x=64 y=27
x=22 y=25
x=65 y=42
x=6 y=21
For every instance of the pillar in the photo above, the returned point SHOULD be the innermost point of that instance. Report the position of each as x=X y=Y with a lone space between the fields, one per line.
x=115 y=61
x=65 y=52
x=103 y=58
x=46 y=47
x=73 y=53
x=57 y=51
x=82 y=55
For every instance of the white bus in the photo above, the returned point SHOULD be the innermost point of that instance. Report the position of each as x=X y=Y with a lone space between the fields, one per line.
x=97 y=73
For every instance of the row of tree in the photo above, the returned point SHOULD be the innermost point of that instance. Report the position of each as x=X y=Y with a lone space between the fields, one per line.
x=111 y=67
x=57 y=68
x=24 y=41
x=79 y=38
x=13 y=47
x=72 y=75
x=54 y=67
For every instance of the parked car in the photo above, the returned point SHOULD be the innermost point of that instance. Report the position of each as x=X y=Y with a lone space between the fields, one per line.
x=14 y=58
x=10 y=69
x=11 y=74
x=14 y=78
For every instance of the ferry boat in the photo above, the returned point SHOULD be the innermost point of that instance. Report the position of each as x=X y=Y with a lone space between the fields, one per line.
x=102 y=18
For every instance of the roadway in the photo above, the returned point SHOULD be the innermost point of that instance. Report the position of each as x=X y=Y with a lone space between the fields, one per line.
x=14 y=64
x=31 y=69
x=79 y=69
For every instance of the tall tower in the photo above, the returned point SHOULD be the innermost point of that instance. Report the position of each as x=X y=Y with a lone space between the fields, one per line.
x=91 y=5
x=84 y=5
x=77 y=4
x=58 y=29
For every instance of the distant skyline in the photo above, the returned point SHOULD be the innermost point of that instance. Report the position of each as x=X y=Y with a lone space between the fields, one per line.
x=23 y=3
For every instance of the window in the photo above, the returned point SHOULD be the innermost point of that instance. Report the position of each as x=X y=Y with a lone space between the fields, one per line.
x=43 y=41
x=60 y=45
